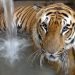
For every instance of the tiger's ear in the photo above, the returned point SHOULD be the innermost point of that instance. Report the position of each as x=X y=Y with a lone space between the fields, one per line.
x=37 y=7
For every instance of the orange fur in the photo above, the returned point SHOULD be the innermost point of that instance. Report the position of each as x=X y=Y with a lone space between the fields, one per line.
x=52 y=41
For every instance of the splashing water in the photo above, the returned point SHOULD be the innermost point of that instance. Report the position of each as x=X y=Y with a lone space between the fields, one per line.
x=12 y=44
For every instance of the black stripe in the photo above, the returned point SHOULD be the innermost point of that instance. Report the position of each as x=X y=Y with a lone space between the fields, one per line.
x=28 y=16
x=20 y=26
x=49 y=13
x=18 y=14
x=20 y=10
x=24 y=17
x=72 y=41
x=64 y=14
x=26 y=11
x=73 y=52
x=32 y=17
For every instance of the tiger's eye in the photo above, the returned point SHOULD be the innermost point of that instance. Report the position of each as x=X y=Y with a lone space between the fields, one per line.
x=64 y=29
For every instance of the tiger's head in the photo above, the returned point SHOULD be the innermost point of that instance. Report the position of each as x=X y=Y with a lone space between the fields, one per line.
x=54 y=30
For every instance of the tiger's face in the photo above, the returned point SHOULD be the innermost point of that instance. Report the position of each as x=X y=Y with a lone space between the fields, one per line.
x=52 y=40
x=54 y=30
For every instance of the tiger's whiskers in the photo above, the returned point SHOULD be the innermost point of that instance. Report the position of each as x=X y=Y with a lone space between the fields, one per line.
x=35 y=55
x=41 y=59
x=29 y=58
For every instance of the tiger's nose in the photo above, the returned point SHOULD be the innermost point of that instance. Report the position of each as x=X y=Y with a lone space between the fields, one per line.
x=51 y=56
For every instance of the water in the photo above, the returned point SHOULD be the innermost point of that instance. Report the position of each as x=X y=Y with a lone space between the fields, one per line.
x=15 y=50
x=11 y=44
x=9 y=13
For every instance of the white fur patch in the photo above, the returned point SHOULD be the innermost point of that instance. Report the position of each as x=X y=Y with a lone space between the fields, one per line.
x=68 y=46
x=35 y=7
x=51 y=59
x=43 y=18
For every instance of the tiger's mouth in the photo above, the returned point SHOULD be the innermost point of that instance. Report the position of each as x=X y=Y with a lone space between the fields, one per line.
x=52 y=57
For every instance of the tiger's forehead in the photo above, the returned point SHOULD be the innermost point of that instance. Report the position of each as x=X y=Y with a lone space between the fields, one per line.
x=68 y=19
x=59 y=6
x=66 y=16
x=59 y=9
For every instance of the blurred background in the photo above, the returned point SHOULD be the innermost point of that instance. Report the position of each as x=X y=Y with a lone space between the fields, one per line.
x=23 y=67
x=45 y=2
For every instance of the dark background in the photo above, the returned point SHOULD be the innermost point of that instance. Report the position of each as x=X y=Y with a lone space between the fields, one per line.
x=71 y=3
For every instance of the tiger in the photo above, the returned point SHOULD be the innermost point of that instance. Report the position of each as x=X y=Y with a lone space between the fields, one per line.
x=23 y=18
x=52 y=29
x=54 y=35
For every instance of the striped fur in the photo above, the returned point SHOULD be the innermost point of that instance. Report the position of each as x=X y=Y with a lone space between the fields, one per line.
x=24 y=18
x=54 y=33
